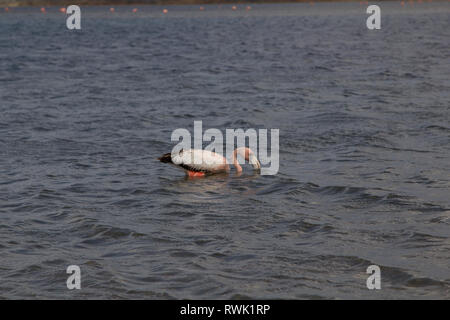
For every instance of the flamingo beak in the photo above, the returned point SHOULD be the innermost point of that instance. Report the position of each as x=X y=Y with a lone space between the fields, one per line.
x=254 y=162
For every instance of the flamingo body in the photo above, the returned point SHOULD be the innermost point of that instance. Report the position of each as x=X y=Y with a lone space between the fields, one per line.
x=197 y=162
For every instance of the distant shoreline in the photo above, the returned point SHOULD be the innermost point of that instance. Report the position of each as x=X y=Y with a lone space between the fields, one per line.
x=64 y=3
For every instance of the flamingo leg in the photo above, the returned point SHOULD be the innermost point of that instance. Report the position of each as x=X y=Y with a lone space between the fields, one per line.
x=195 y=174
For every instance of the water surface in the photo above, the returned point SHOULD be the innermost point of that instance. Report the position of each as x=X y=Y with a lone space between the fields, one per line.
x=364 y=152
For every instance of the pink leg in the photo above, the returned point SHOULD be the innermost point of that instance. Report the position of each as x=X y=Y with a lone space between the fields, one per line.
x=195 y=174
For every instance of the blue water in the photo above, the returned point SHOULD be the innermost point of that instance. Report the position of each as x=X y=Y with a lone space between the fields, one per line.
x=364 y=152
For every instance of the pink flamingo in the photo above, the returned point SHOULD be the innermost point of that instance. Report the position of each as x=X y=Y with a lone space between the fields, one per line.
x=211 y=162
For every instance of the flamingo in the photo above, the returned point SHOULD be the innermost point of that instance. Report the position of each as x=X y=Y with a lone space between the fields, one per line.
x=211 y=162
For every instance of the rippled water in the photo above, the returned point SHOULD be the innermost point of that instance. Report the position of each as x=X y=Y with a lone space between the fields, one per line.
x=364 y=152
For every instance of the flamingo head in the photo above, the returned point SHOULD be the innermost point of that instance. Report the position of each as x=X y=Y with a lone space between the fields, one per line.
x=249 y=156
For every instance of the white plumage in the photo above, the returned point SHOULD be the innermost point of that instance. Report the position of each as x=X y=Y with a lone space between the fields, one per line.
x=200 y=160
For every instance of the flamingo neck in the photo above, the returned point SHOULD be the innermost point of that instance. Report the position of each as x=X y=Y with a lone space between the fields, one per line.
x=236 y=163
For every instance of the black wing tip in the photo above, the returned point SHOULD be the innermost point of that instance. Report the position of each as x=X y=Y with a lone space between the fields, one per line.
x=166 y=158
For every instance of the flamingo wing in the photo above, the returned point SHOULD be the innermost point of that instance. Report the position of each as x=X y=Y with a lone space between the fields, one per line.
x=197 y=160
